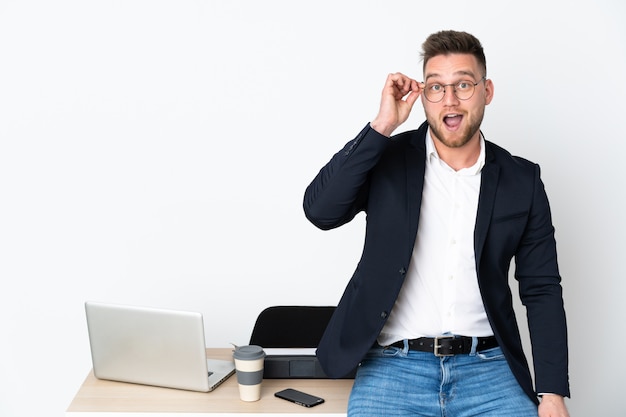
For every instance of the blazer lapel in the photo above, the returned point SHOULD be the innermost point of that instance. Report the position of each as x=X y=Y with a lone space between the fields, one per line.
x=486 y=200
x=415 y=169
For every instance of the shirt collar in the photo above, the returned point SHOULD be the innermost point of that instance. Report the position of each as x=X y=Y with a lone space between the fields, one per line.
x=431 y=153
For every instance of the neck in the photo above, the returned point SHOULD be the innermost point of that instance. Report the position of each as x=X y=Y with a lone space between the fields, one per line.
x=460 y=157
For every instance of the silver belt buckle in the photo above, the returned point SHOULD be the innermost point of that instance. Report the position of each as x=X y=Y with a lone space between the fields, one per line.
x=437 y=346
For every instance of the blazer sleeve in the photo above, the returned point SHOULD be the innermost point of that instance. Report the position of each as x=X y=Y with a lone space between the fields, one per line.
x=339 y=191
x=541 y=293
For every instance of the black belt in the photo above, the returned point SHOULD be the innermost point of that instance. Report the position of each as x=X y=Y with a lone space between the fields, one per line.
x=448 y=345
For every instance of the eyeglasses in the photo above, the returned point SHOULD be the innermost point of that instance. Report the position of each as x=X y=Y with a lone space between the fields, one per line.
x=463 y=90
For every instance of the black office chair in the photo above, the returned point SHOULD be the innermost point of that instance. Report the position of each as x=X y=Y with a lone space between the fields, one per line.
x=291 y=326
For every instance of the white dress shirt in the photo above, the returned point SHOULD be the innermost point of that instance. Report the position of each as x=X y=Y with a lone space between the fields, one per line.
x=440 y=294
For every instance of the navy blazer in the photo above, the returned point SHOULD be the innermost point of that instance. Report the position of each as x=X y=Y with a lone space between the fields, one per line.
x=384 y=177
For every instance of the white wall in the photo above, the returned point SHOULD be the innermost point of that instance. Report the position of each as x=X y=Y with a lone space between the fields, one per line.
x=156 y=153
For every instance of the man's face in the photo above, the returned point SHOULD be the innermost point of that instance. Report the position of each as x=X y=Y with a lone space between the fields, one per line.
x=455 y=122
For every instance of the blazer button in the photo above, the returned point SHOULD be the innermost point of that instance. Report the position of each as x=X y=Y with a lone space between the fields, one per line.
x=402 y=271
x=383 y=315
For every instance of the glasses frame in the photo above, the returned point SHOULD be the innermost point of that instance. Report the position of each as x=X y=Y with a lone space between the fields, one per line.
x=453 y=85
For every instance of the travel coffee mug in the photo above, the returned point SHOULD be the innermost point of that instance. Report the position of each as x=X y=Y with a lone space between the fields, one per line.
x=249 y=361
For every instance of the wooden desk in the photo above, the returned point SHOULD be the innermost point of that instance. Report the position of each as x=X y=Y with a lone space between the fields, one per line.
x=100 y=398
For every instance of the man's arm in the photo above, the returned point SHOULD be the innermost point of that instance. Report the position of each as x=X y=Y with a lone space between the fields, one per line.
x=541 y=293
x=339 y=191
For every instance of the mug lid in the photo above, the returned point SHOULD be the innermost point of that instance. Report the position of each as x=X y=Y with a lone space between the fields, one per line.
x=249 y=352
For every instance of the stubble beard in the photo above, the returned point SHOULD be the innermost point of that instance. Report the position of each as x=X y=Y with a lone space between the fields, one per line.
x=465 y=135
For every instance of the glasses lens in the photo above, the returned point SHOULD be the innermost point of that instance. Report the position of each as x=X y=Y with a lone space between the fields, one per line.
x=464 y=90
x=434 y=92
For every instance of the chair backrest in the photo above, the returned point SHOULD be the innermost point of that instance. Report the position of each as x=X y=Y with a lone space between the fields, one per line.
x=291 y=326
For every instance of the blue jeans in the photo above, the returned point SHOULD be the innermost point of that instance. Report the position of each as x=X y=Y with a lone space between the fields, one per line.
x=397 y=382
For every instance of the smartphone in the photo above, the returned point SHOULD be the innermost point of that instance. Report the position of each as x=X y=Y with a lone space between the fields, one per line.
x=299 y=397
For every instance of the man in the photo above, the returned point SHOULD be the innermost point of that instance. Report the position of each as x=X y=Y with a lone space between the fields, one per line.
x=428 y=313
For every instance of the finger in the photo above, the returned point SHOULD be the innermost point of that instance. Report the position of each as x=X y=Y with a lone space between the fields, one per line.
x=392 y=86
x=405 y=83
x=409 y=86
x=412 y=97
x=417 y=86
x=399 y=80
x=412 y=91
x=400 y=85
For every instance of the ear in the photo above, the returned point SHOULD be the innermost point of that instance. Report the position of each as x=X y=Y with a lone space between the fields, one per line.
x=488 y=91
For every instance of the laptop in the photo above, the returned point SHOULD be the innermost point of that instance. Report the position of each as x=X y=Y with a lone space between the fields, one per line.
x=151 y=346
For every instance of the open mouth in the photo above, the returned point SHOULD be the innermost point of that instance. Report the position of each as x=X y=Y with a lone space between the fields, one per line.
x=452 y=120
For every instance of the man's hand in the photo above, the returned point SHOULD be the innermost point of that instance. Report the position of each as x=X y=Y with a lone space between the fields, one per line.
x=552 y=405
x=398 y=96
